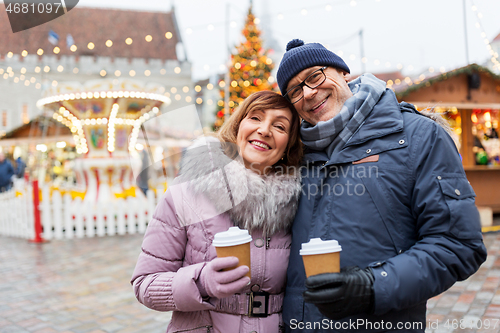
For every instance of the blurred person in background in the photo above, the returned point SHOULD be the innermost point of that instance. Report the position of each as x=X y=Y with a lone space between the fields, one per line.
x=6 y=173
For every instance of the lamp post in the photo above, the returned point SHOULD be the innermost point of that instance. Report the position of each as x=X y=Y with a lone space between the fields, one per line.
x=465 y=33
x=226 y=79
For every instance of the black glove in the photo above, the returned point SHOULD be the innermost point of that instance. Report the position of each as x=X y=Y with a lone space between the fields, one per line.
x=339 y=295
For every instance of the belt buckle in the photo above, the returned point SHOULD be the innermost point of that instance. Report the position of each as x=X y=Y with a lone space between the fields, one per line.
x=258 y=304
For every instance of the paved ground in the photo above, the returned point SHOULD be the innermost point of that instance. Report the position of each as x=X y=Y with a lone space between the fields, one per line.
x=79 y=285
x=82 y=285
x=472 y=305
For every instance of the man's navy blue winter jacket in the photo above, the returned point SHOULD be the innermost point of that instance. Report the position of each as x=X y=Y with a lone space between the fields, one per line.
x=397 y=199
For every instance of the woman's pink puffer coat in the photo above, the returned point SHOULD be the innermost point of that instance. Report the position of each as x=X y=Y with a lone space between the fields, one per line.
x=178 y=244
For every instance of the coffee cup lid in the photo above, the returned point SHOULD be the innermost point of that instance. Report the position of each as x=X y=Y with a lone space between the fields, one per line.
x=318 y=246
x=233 y=236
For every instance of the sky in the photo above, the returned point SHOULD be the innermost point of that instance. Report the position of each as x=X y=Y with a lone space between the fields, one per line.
x=414 y=34
x=411 y=35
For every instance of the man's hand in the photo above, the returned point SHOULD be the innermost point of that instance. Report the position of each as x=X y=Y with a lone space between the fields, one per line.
x=338 y=295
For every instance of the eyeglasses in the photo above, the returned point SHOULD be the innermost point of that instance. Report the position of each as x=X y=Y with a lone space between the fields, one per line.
x=314 y=80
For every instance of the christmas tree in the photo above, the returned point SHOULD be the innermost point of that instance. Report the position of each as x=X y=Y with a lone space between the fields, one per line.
x=250 y=70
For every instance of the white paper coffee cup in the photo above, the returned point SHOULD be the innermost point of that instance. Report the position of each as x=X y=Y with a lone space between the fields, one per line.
x=234 y=242
x=321 y=256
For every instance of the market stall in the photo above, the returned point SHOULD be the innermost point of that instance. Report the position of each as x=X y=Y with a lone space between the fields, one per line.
x=469 y=98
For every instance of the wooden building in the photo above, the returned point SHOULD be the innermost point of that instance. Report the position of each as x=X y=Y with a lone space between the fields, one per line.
x=469 y=97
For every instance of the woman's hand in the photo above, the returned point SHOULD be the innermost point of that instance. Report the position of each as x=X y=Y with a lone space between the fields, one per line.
x=214 y=282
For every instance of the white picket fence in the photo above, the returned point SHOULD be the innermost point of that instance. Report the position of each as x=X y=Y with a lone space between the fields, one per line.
x=63 y=217
x=16 y=214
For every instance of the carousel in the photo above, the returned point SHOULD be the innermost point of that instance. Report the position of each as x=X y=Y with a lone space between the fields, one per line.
x=105 y=118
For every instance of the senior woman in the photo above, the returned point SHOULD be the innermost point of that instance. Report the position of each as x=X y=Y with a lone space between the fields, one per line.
x=245 y=177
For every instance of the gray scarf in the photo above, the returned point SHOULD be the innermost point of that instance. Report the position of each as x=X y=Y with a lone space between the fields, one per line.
x=333 y=134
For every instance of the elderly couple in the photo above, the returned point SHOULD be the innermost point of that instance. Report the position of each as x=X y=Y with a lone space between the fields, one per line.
x=408 y=233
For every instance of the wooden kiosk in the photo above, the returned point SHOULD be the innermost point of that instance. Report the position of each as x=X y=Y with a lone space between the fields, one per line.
x=469 y=98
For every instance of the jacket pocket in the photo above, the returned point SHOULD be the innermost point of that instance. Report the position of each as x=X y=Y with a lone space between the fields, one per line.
x=459 y=197
x=385 y=207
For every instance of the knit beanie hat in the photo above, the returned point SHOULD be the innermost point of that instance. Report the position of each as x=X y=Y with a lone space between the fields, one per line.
x=299 y=56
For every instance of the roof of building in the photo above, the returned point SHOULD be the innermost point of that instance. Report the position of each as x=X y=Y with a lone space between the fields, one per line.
x=97 y=26
x=35 y=129
x=404 y=89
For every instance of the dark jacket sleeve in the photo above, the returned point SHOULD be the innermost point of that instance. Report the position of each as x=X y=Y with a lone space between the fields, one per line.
x=450 y=245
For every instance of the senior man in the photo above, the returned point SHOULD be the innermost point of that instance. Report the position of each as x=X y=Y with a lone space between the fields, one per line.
x=385 y=181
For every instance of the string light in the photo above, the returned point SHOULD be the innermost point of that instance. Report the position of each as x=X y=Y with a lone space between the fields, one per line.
x=479 y=24
x=212 y=26
x=89 y=94
x=111 y=127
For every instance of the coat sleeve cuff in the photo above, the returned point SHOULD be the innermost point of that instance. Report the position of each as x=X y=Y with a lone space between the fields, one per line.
x=186 y=295
x=155 y=291
x=381 y=294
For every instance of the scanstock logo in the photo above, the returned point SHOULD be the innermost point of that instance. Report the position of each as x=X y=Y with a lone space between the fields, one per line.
x=27 y=14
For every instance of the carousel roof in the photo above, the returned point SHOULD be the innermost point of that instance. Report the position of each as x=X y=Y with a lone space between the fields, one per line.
x=91 y=25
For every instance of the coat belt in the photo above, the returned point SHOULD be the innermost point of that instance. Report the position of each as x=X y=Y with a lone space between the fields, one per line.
x=239 y=304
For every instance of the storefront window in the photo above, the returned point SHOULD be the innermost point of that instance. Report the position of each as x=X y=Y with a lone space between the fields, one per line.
x=486 y=142
x=452 y=115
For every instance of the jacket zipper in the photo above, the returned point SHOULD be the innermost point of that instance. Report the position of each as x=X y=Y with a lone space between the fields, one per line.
x=268 y=239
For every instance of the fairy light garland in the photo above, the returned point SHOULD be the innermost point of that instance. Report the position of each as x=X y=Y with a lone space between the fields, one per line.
x=65 y=117
x=479 y=25
x=102 y=94
x=111 y=127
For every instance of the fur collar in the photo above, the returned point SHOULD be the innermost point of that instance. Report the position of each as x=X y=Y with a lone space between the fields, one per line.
x=252 y=201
